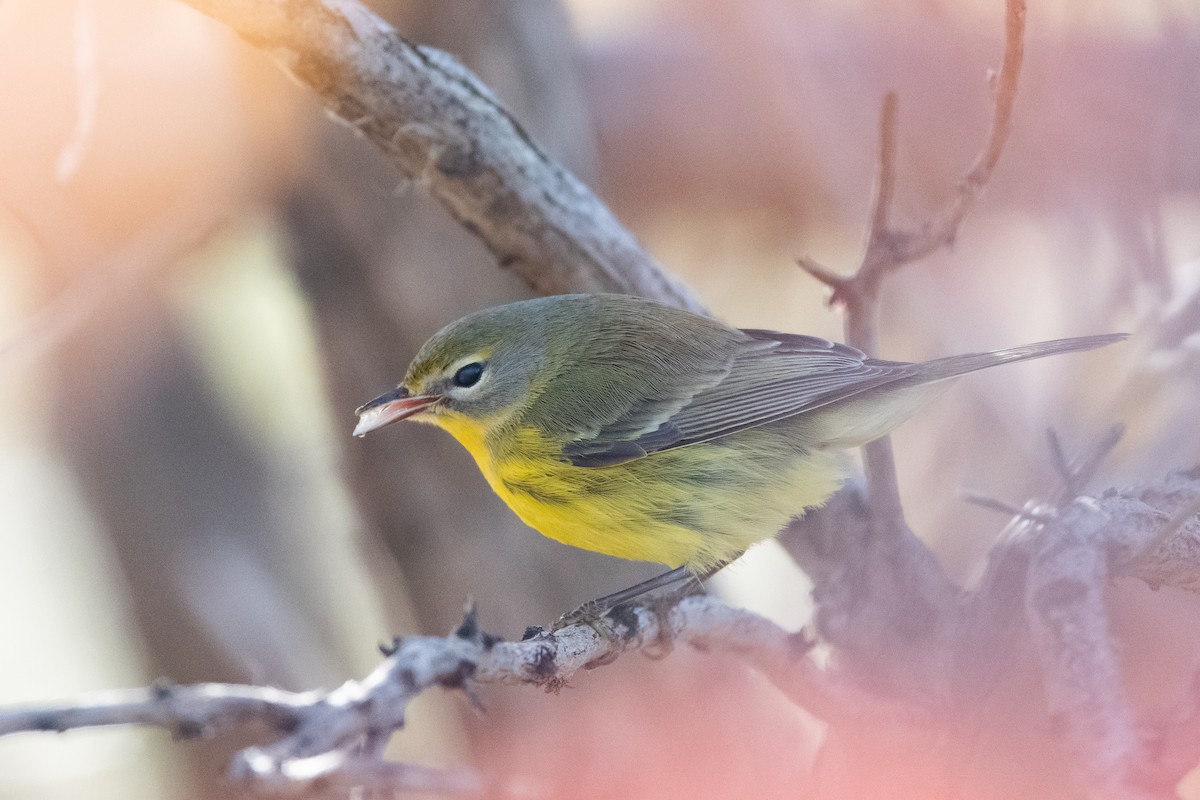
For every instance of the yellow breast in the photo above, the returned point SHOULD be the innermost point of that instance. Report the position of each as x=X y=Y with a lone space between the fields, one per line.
x=696 y=505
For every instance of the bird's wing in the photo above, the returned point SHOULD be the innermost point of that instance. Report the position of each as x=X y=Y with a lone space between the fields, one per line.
x=772 y=376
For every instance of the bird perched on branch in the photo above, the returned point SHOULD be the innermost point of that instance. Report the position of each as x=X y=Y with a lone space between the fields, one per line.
x=645 y=432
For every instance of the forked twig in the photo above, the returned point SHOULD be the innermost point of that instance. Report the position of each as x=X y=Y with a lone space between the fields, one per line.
x=889 y=248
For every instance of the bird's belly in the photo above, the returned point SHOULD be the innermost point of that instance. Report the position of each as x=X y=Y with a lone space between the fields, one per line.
x=697 y=505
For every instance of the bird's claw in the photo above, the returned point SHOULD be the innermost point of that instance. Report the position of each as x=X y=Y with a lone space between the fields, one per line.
x=592 y=613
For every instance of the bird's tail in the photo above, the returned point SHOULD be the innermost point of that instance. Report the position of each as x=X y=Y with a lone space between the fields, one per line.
x=952 y=366
x=876 y=412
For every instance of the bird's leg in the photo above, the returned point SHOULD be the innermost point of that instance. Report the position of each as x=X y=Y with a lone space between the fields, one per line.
x=677 y=583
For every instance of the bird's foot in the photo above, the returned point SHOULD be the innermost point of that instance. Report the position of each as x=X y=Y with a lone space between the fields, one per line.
x=658 y=595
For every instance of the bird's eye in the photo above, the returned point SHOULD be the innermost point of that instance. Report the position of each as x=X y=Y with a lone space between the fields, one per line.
x=469 y=375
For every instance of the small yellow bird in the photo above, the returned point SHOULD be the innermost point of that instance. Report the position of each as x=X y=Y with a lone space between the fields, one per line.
x=645 y=432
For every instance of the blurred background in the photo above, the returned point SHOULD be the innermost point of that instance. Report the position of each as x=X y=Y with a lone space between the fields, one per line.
x=201 y=276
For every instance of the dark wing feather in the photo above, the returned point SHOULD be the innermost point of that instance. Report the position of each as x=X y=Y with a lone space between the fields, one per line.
x=773 y=376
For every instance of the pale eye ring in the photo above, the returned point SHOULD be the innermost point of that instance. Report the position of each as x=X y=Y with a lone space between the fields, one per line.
x=469 y=375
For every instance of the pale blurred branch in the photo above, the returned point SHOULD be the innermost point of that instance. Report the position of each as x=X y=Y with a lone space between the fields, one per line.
x=158 y=246
x=1076 y=473
x=442 y=127
x=338 y=773
x=87 y=86
x=888 y=559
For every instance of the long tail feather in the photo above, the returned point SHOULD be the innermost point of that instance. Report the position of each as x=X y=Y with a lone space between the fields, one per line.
x=874 y=413
x=953 y=366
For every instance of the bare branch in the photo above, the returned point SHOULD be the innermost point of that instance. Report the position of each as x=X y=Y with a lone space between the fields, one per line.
x=444 y=128
x=1028 y=514
x=318 y=730
x=881 y=557
x=1153 y=533
x=885 y=186
x=888 y=249
x=187 y=711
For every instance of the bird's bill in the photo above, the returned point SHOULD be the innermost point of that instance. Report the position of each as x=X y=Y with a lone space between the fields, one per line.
x=391 y=407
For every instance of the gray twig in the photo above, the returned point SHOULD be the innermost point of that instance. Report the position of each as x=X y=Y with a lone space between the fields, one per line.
x=440 y=125
x=320 y=731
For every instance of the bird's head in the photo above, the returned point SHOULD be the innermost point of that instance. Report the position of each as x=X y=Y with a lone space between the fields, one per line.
x=482 y=368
